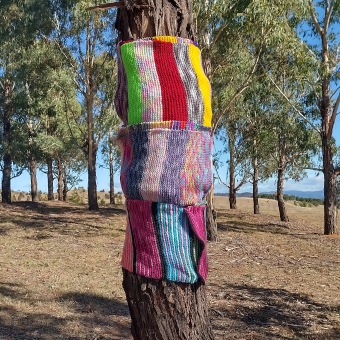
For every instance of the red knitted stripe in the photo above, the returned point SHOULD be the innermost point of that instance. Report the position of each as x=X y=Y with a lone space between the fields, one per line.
x=173 y=92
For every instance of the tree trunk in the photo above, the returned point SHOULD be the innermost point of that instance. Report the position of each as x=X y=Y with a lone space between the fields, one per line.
x=60 y=180
x=232 y=189
x=65 y=189
x=112 y=185
x=92 y=148
x=211 y=217
x=33 y=177
x=6 y=142
x=256 y=188
x=330 y=207
x=279 y=192
x=50 y=195
x=160 y=309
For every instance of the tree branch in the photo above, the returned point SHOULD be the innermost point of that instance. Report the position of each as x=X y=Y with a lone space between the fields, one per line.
x=315 y=20
x=329 y=10
x=333 y=117
x=293 y=106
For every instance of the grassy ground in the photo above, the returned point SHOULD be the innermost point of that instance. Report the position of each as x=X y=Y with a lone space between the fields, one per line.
x=60 y=275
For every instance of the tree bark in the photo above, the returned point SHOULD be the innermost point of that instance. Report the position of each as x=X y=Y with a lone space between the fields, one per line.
x=162 y=310
x=232 y=189
x=50 y=195
x=256 y=191
x=91 y=145
x=111 y=168
x=65 y=189
x=33 y=177
x=60 y=180
x=211 y=217
x=330 y=206
x=279 y=191
x=6 y=141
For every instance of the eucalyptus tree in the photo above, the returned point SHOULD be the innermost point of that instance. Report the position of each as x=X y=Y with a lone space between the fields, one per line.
x=324 y=21
x=162 y=309
x=21 y=23
x=86 y=40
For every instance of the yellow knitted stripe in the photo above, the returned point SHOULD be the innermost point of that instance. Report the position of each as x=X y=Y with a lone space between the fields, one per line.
x=166 y=39
x=203 y=83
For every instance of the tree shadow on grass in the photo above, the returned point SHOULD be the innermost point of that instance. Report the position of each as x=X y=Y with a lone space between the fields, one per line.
x=66 y=220
x=89 y=317
x=274 y=314
x=246 y=227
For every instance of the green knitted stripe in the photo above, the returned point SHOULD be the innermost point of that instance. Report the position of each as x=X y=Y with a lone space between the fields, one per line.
x=135 y=104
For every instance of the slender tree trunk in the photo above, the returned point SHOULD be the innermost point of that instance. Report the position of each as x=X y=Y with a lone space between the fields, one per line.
x=111 y=166
x=211 y=217
x=65 y=189
x=33 y=177
x=232 y=189
x=6 y=142
x=60 y=180
x=92 y=148
x=162 y=310
x=279 y=190
x=256 y=183
x=50 y=195
x=330 y=207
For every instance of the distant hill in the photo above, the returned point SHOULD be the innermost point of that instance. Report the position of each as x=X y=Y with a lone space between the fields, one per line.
x=296 y=193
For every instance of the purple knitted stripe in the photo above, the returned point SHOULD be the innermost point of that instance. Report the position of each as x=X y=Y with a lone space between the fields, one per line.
x=134 y=174
x=196 y=215
x=148 y=261
x=189 y=79
x=121 y=96
x=173 y=164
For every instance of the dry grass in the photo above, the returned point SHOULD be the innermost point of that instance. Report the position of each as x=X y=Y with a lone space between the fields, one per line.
x=60 y=275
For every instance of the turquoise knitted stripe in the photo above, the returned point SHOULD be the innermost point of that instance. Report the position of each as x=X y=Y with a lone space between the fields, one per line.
x=176 y=243
x=135 y=104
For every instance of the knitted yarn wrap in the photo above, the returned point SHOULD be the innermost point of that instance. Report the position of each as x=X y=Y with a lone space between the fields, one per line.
x=164 y=100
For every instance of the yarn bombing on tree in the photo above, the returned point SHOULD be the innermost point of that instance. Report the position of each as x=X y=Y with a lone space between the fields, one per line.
x=164 y=100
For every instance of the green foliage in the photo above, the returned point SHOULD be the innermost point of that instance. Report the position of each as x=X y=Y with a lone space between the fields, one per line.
x=75 y=198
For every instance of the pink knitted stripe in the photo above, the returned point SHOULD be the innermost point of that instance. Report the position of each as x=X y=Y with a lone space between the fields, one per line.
x=196 y=215
x=128 y=251
x=148 y=262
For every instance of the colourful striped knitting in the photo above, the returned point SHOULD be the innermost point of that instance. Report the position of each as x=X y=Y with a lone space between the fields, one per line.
x=165 y=241
x=163 y=99
x=165 y=165
x=161 y=79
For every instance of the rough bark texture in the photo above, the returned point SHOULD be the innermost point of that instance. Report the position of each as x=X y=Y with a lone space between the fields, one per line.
x=6 y=141
x=158 y=17
x=232 y=189
x=50 y=195
x=211 y=217
x=256 y=189
x=91 y=146
x=328 y=117
x=159 y=309
x=65 y=190
x=111 y=166
x=33 y=177
x=163 y=310
x=279 y=192
x=60 y=181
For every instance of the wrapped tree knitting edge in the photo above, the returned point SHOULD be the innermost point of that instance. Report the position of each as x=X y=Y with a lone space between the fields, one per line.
x=164 y=100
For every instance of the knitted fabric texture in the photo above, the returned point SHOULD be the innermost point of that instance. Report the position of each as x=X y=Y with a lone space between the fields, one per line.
x=165 y=165
x=165 y=241
x=162 y=79
x=163 y=99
